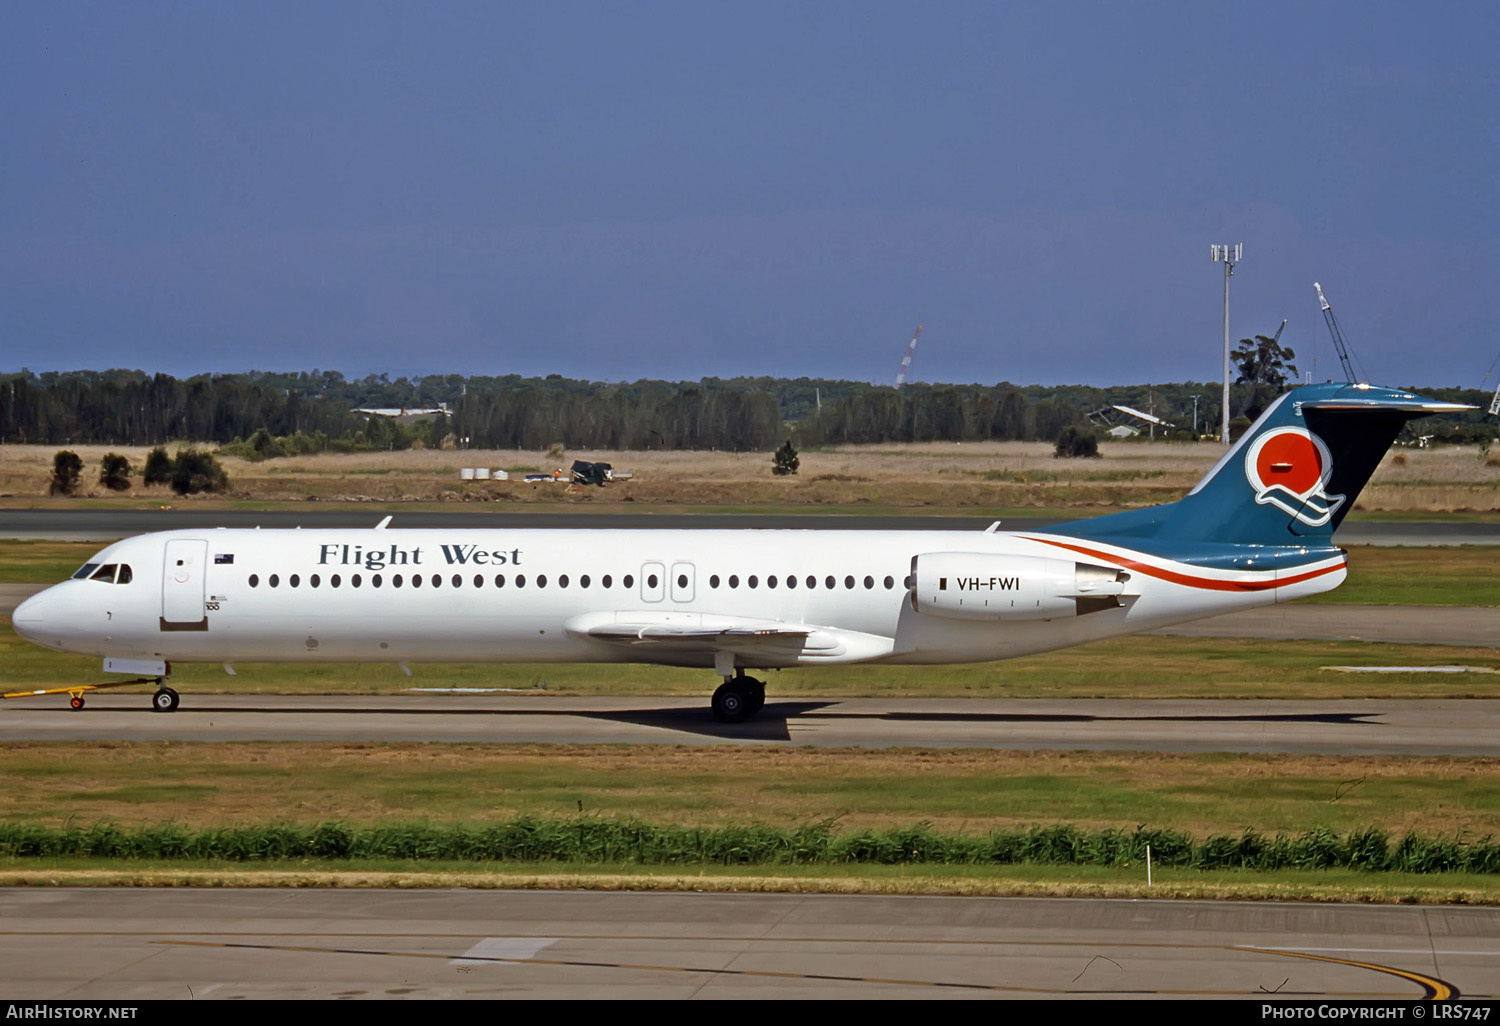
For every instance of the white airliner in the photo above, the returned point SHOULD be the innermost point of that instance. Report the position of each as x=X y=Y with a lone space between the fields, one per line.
x=1256 y=530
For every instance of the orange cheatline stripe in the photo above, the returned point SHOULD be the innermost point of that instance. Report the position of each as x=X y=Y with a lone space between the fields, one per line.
x=1206 y=583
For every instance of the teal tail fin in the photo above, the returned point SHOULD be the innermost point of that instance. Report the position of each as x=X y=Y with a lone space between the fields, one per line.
x=1290 y=479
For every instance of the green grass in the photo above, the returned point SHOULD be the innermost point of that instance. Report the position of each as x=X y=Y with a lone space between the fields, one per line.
x=1392 y=575
x=961 y=792
x=585 y=840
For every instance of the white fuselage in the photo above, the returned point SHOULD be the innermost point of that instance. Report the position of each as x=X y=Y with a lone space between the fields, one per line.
x=498 y=595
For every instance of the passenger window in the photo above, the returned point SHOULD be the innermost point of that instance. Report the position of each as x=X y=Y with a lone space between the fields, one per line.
x=437 y=581
x=608 y=581
x=520 y=580
x=791 y=580
x=889 y=582
x=869 y=582
x=314 y=580
x=812 y=582
x=562 y=582
x=85 y=571
x=335 y=580
x=829 y=582
x=848 y=582
x=416 y=580
x=734 y=580
x=105 y=573
x=255 y=580
x=752 y=581
x=125 y=576
x=275 y=580
x=375 y=580
x=713 y=582
x=499 y=580
x=629 y=581
x=541 y=580
x=294 y=580
x=356 y=580
x=771 y=581
x=479 y=580
x=583 y=582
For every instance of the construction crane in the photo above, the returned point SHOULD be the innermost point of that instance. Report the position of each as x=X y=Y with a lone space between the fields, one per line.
x=1338 y=336
x=911 y=350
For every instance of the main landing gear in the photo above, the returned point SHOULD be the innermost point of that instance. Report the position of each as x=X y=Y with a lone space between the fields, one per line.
x=738 y=698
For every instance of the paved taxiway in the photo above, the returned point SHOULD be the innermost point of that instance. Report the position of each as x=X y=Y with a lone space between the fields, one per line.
x=128 y=944
x=1349 y=726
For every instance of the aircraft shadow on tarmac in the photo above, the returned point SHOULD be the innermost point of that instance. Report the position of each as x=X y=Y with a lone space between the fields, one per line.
x=773 y=722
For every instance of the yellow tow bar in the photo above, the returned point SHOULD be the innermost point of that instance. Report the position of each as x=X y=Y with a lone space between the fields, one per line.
x=77 y=691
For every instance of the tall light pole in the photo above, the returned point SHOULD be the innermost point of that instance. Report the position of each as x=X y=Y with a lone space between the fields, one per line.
x=1230 y=256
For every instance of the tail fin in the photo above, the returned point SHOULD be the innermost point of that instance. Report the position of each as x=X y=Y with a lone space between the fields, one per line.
x=1291 y=478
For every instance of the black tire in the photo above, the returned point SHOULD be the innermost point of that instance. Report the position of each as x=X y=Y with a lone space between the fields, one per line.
x=757 y=696
x=76 y=702
x=165 y=700
x=731 y=704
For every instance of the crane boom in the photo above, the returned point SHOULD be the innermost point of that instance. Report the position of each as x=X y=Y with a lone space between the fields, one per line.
x=911 y=350
x=1338 y=336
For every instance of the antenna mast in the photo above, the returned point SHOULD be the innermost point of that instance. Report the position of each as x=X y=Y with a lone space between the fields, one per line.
x=1229 y=255
x=911 y=350
x=1338 y=336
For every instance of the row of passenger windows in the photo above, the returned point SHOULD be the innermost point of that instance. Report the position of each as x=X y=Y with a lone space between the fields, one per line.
x=790 y=581
x=109 y=573
x=519 y=581
x=435 y=581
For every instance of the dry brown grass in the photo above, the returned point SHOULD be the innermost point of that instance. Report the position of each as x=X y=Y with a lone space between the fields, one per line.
x=942 y=475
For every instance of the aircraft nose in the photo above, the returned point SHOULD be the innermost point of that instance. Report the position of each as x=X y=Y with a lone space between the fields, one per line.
x=31 y=617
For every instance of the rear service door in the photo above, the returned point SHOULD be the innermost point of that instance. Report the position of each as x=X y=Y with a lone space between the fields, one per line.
x=183 y=577
x=653 y=584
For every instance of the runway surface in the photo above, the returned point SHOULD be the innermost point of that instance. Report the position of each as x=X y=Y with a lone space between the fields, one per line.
x=1364 y=726
x=108 y=525
x=128 y=944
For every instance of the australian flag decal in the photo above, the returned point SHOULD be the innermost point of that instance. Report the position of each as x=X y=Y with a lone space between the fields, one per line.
x=223 y=557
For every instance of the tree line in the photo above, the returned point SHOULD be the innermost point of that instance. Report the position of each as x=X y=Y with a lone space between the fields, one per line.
x=268 y=414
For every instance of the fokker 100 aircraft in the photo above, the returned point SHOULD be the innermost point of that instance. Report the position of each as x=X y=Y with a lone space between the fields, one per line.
x=1258 y=529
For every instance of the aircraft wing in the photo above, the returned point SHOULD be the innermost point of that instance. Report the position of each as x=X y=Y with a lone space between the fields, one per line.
x=708 y=634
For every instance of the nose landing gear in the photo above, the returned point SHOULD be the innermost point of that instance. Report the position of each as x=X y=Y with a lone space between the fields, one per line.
x=165 y=699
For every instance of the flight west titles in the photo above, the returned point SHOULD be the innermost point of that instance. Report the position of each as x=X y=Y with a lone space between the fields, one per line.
x=397 y=555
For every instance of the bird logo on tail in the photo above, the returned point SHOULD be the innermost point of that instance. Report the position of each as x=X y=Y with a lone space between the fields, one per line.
x=1289 y=468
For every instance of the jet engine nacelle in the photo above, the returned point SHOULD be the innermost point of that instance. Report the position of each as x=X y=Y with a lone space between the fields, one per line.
x=987 y=586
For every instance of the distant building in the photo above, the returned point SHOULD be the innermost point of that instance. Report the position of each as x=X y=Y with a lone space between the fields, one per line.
x=404 y=412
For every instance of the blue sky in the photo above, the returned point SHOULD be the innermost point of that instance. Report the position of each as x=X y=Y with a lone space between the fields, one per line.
x=625 y=190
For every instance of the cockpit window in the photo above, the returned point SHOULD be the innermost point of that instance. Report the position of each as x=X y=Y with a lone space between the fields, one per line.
x=125 y=576
x=105 y=573
x=85 y=570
